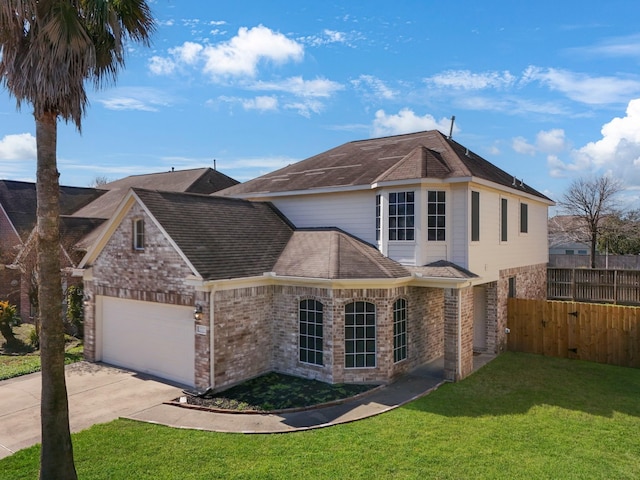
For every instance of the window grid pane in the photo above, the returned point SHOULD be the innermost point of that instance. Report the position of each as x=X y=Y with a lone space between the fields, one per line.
x=360 y=335
x=399 y=330
x=436 y=215
x=310 y=340
x=377 y=217
x=401 y=216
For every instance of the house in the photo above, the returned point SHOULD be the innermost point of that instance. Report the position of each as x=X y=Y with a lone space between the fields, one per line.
x=355 y=265
x=17 y=224
x=83 y=212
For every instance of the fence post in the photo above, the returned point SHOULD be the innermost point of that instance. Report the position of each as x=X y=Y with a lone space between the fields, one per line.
x=615 y=287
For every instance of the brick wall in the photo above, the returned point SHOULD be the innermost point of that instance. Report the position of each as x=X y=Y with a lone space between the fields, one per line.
x=155 y=274
x=458 y=333
x=530 y=282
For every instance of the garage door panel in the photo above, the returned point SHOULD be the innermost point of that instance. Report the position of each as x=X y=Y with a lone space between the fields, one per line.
x=149 y=337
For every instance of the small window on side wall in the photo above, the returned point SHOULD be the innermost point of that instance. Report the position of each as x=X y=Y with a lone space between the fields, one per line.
x=524 y=218
x=138 y=234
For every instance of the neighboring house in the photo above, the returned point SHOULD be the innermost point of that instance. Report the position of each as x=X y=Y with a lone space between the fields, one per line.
x=17 y=224
x=566 y=236
x=83 y=211
x=355 y=265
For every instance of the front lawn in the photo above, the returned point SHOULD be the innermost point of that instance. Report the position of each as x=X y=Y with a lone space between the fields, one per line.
x=520 y=417
x=23 y=360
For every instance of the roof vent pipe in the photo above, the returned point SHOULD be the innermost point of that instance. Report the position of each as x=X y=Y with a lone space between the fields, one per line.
x=522 y=182
x=453 y=119
x=214 y=163
x=514 y=182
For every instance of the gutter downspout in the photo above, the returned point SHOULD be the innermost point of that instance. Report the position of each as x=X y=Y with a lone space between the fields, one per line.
x=212 y=358
x=459 y=348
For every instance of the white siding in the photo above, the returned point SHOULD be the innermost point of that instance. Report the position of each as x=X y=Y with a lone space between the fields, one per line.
x=354 y=212
x=490 y=255
x=459 y=208
x=403 y=252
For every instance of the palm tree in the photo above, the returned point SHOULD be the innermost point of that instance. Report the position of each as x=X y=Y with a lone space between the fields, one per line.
x=50 y=48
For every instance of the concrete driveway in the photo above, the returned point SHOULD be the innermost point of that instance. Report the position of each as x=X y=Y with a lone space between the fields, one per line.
x=97 y=394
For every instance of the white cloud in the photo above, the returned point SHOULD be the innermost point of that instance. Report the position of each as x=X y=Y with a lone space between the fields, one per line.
x=583 y=88
x=161 y=66
x=320 y=87
x=187 y=53
x=260 y=103
x=237 y=57
x=242 y=54
x=21 y=146
x=132 y=98
x=616 y=153
x=378 y=87
x=520 y=145
x=551 y=141
x=328 y=37
x=628 y=46
x=619 y=146
x=467 y=80
x=406 y=121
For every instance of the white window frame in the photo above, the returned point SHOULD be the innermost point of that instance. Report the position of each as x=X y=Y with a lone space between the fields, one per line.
x=138 y=234
x=310 y=317
x=360 y=332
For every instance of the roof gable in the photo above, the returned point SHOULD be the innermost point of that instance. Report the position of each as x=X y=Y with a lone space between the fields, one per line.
x=221 y=237
x=363 y=163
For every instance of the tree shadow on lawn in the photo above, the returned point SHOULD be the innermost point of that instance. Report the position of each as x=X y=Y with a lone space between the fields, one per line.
x=513 y=383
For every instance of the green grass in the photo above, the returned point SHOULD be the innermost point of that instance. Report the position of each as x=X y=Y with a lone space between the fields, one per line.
x=520 y=417
x=24 y=360
x=16 y=365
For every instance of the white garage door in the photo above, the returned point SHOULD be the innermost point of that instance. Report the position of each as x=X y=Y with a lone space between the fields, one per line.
x=147 y=337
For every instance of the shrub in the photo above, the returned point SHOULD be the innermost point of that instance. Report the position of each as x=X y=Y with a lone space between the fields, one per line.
x=8 y=319
x=75 y=309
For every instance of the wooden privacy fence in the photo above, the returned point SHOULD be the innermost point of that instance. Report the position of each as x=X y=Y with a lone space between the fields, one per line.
x=585 y=331
x=594 y=285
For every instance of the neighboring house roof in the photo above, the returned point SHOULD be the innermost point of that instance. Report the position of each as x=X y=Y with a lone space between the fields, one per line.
x=199 y=180
x=333 y=254
x=419 y=155
x=19 y=202
x=221 y=237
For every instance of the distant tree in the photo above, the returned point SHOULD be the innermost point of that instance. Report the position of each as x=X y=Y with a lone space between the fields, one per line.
x=590 y=200
x=99 y=181
x=50 y=48
x=621 y=234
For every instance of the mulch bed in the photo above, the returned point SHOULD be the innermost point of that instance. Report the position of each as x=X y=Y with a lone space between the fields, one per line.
x=276 y=391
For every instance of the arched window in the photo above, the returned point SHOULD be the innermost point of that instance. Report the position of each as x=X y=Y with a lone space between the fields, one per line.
x=310 y=341
x=359 y=335
x=399 y=330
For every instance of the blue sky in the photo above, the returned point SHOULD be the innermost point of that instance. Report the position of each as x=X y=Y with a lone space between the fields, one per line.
x=548 y=91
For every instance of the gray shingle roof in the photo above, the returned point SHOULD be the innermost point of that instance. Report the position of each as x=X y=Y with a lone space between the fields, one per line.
x=199 y=180
x=222 y=237
x=443 y=269
x=19 y=201
x=402 y=157
x=333 y=254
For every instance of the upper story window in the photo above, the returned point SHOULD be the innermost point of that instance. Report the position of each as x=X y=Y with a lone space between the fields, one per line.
x=436 y=208
x=401 y=216
x=378 y=217
x=138 y=234
x=503 y=219
x=475 y=216
x=524 y=218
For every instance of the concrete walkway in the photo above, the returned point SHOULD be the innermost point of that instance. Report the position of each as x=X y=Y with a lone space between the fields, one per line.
x=418 y=383
x=99 y=393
